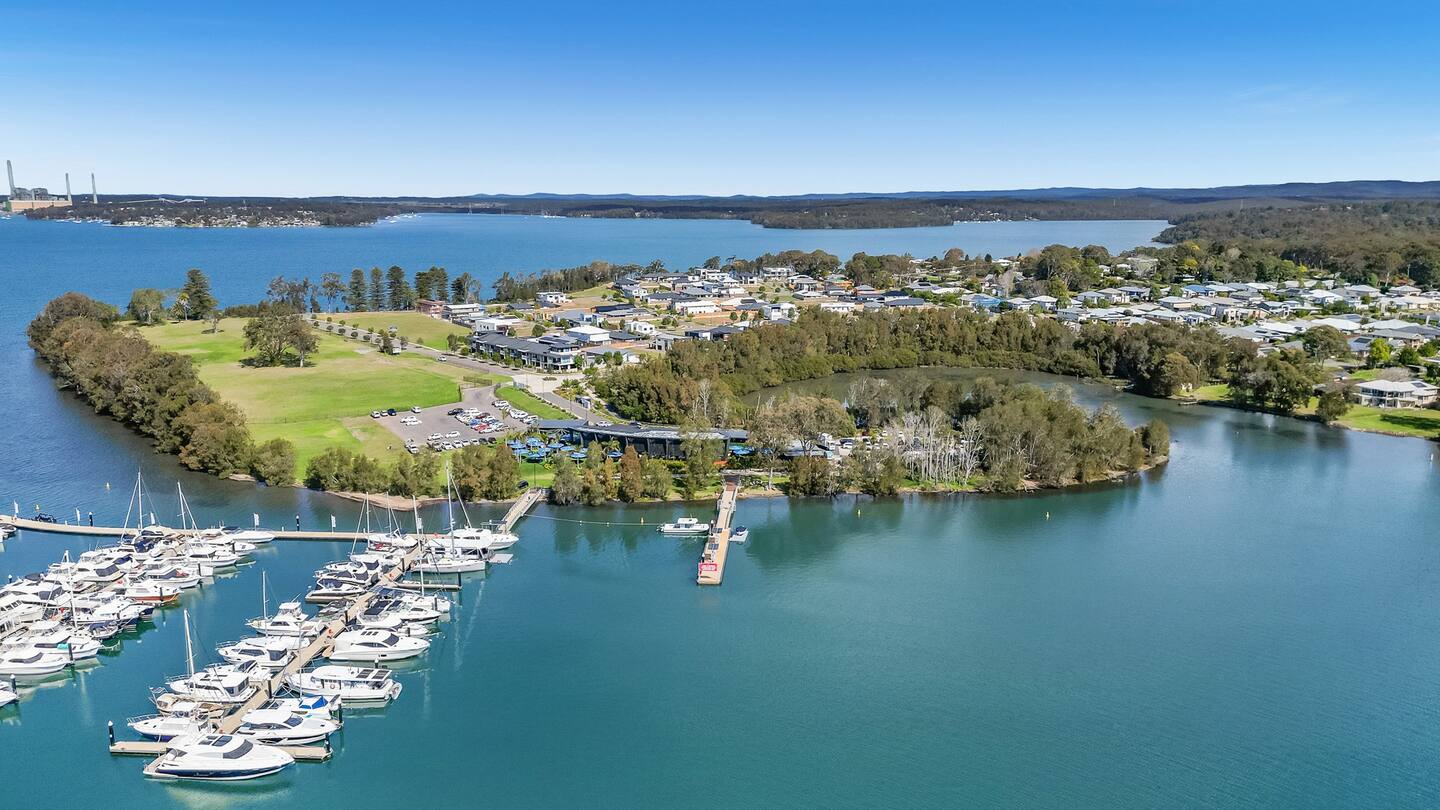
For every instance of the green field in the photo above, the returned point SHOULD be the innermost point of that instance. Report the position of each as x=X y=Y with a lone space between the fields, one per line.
x=1423 y=423
x=413 y=326
x=528 y=402
x=325 y=404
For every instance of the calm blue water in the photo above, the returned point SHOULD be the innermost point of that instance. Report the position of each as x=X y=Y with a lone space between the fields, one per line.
x=1253 y=625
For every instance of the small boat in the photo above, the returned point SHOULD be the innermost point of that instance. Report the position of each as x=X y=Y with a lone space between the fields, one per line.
x=256 y=536
x=222 y=683
x=317 y=706
x=218 y=758
x=151 y=592
x=685 y=525
x=739 y=534
x=7 y=695
x=289 y=620
x=164 y=727
x=448 y=562
x=171 y=703
x=48 y=636
x=30 y=661
x=329 y=590
x=279 y=727
x=372 y=646
x=271 y=652
x=349 y=684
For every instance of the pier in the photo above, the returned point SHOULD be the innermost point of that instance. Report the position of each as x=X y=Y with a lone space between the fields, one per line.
x=120 y=531
x=717 y=543
x=521 y=508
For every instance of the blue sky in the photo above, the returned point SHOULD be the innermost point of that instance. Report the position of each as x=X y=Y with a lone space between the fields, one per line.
x=764 y=98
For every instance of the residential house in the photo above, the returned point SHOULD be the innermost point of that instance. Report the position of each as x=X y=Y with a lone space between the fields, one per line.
x=1395 y=393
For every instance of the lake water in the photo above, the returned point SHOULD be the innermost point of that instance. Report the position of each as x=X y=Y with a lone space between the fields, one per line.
x=1253 y=625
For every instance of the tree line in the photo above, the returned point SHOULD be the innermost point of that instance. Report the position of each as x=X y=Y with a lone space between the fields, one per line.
x=156 y=393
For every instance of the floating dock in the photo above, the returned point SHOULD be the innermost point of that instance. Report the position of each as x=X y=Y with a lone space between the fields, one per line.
x=717 y=543
x=120 y=531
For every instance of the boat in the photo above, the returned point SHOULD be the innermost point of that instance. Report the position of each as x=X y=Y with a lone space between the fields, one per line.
x=7 y=695
x=450 y=562
x=171 y=703
x=427 y=601
x=271 y=652
x=30 y=661
x=217 y=684
x=218 y=758
x=349 y=684
x=289 y=620
x=313 y=705
x=329 y=590
x=49 y=636
x=685 y=525
x=739 y=534
x=279 y=727
x=372 y=646
x=151 y=592
x=164 y=727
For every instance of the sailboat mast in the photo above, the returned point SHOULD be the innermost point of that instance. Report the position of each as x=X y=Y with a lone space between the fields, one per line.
x=264 y=599
x=189 y=648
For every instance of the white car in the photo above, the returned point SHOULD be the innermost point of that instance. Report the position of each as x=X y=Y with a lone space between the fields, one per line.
x=376 y=414
x=414 y=408
x=409 y=420
x=454 y=434
x=434 y=437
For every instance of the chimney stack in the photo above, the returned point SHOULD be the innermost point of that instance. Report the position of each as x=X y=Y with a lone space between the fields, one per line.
x=94 y=196
x=10 y=172
x=68 y=197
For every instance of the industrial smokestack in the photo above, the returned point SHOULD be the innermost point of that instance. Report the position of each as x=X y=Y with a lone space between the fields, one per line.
x=68 y=198
x=94 y=196
x=10 y=172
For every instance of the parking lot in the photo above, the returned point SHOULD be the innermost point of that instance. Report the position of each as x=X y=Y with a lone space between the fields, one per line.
x=437 y=420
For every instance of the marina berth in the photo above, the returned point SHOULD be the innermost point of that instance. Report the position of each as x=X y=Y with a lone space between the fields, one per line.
x=30 y=661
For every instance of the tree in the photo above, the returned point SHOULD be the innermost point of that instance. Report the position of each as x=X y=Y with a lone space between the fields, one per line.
x=377 y=289
x=198 y=302
x=218 y=441
x=701 y=451
x=1324 y=342
x=537 y=330
x=1379 y=354
x=504 y=475
x=289 y=294
x=566 y=487
x=632 y=476
x=1332 y=404
x=811 y=475
x=401 y=296
x=462 y=288
x=147 y=306
x=874 y=471
x=657 y=479
x=272 y=334
x=331 y=288
x=358 y=299
x=1177 y=374
x=1408 y=356
x=273 y=462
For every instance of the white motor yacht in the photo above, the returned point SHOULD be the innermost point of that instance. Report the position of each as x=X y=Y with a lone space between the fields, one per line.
x=168 y=726
x=7 y=695
x=217 y=684
x=450 y=562
x=432 y=601
x=466 y=538
x=685 y=525
x=17 y=608
x=271 y=652
x=349 y=684
x=213 y=556
x=30 y=661
x=279 y=727
x=256 y=536
x=372 y=646
x=289 y=620
x=218 y=758
x=48 y=636
x=150 y=592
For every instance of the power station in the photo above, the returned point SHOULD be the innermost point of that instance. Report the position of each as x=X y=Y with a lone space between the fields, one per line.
x=29 y=199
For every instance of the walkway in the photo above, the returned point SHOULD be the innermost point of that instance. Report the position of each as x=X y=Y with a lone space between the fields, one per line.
x=717 y=544
x=120 y=531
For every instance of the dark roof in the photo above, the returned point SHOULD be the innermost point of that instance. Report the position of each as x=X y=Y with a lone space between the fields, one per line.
x=634 y=430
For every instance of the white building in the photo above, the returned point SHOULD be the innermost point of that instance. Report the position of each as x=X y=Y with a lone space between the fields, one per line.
x=695 y=307
x=503 y=324
x=1395 y=393
x=552 y=299
x=642 y=328
x=588 y=334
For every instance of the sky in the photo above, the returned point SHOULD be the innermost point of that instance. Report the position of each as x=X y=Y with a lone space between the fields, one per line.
x=777 y=97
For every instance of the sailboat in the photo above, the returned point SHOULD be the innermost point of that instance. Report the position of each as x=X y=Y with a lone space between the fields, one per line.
x=218 y=684
x=467 y=539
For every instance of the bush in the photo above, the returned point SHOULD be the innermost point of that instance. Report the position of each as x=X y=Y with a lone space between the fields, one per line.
x=273 y=462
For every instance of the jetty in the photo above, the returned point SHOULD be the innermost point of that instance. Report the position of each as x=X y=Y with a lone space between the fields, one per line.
x=522 y=507
x=717 y=543
x=120 y=531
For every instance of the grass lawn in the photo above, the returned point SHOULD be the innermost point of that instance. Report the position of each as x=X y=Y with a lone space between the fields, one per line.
x=325 y=404
x=528 y=402
x=413 y=326
x=1422 y=423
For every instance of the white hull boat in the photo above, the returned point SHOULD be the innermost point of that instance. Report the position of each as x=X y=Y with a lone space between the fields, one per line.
x=349 y=684
x=218 y=758
x=372 y=646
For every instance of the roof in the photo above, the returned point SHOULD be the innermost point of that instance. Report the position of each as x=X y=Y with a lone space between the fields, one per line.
x=635 y=430
x=1395 y=386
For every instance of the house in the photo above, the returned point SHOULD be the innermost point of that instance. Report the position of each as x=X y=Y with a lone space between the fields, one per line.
x=1136 y=293
x=456 y=311
x=552 y=299
x=600 y=355
x=502 y=324
x=1395 y=393
x=805 y=284
x=839 y=307
x=427 y=306
x=1045 y=302
x=587 y=334
x=694 y=307
x=782 y=309
x=641 y=328
x=574 y=317
x=776 y=273
x=552 y=352
x=664 y=340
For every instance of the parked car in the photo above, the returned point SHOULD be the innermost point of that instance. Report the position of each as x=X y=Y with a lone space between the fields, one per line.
x=414 y=408
x=389 y=411
x=440 y=359
x=376 y=414
x=434 y=437
x=454 y=434
x=454 y=411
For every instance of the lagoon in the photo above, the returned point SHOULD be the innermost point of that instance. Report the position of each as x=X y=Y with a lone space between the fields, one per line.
x=1252 y=625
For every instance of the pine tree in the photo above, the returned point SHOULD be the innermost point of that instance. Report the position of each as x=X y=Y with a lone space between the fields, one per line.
x=357 y=299
x=377 y=289
x=196 y=293
x=401 y=297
